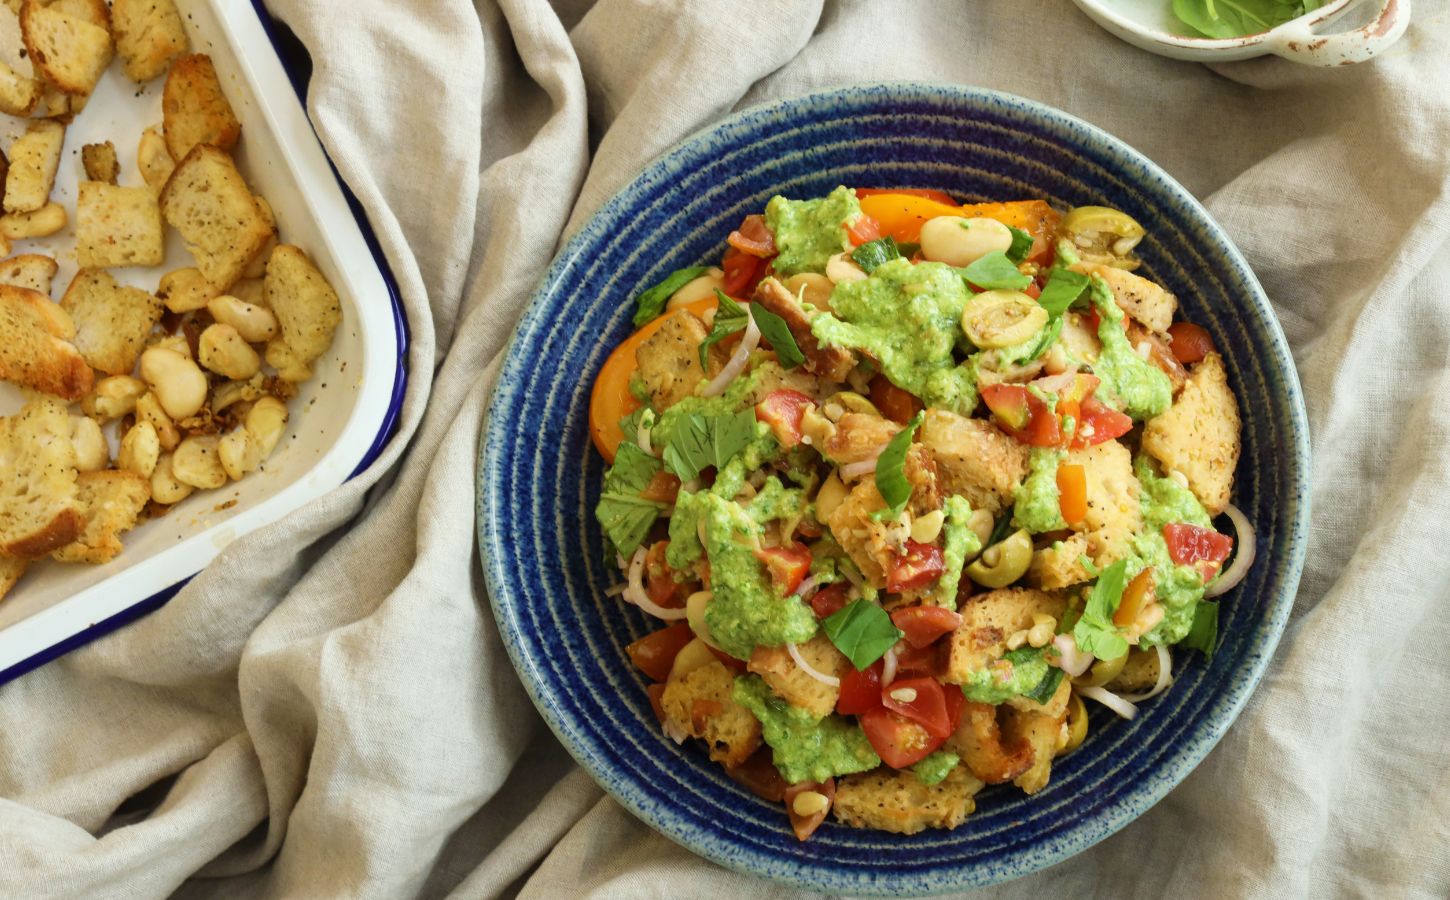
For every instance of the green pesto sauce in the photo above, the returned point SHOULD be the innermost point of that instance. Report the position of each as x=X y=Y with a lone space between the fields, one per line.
x=805 y=748
x=908 y=318
x=1179 y=588
x=1026 y=673
x=1038 y=508
x=1141 y=387
x=932 y=769
x=734 y=399
x=745 y=610
x=690 y=507
x=809 y=232
x=960 y=542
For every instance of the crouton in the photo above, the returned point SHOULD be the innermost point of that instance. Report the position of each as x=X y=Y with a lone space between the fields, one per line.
x=669 y=359
x=100 y=163
x=1080 y=341
x=894 y=801
x=792 y=684
x=110 y=501
x=863 y=539
x=94 y=11
x=185 y=290
x=118 y=226
x=1044 y=734
x=986 y=751
x=35 y=347
x=111 y=319
x=34 y=159
x=1114 y=514
x=858 y=437
x=1140 y=673
x=208 y=202
x=10 y=571
x=39 y=510
x=1060 y=564
x=66 y=49
x=974 y=459
x=33 y=271
x=921 y=473
x=829 y=363
x=700 y=704
x=307 y=308
x=988 y=620
x=769 y=377
x=154 y=160
x=37 y=223
x=1199 y=434
x=19 y=95
x=1139 y=297
x=253 y=291
x=257 y=268
x=149 y=35
x=194 y=110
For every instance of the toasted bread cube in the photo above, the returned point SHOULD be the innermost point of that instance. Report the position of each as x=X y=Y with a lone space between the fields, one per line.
x=34 y=159
x=19 y=95
x=112 y=320
x=858 y=437
x=10 y=571
x=110 y=501
x=207 y=200
x=100 y=163
x=988 y=620
x=35 y=347
x=149 y=35
x=118 y=226
x=985 y=750
x=1140 y=298
x=699 y=703
x=890 y=800
x=307 y=308
x=185 y=290
x=974 y=459
x=1059 y=564
x=863 y=538
x=1114 y=514
x=39 y=509
x=29 y=270
x=68 y=51
x=94 y=11
x=194 y=110
x=669 y=359
x=1199 y=434
x=792 y=683
x=1044 y=734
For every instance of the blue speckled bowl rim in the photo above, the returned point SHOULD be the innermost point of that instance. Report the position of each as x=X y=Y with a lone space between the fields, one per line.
x=1209 y=730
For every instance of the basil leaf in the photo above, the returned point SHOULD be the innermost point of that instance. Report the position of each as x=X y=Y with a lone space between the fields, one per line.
x=995 y=272
x=863 y=632
x=1000 y=530
x=873 y=253
x=774 y=329
x=1021 y=245
x=701 y=440
x=651 y=303
x=1062 y=290
x=908 y=249
x=729 y=318
x=1095 y=632
x=1047 y=686
x=1203 y=633
x=891 y=469
x=624 y=515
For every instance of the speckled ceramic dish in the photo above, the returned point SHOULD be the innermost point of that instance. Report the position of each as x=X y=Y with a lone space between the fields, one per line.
x=544 y=557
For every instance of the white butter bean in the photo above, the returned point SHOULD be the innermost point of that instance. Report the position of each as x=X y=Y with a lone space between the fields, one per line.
x=195 y=462
x=254 y=323
x=222 y=350
x=957 y=241
x=178 y=383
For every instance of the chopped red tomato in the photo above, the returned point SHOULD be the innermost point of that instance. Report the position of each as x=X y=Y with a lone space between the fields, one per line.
x=895 y=404
x=917 y=567
x=1136 y=595
x=1023 y=415
x=1072 y=493
x=783 y=410
x=1033 y=290
x=922 y=625
x=956 y=701
x=655 y=653
x=928 y=193
x=754 y=238
x=806 y=825
x=919 y=661
x=899 y=742
x=1189 y=342
x=1203 y=548
x=921 y=701
x=759 y=775
x=830 y=599
x=787 y=566
x=865 y=230
x=742 y=273
x=860 y=691
x=660 y=582
x=656 y=693
x=702 y=711
x=1158 y=352
x=1097 y=423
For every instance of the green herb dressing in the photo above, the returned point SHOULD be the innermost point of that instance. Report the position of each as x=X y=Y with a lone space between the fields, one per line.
x=1028 y=668
x=1141 y=387
x=1038 y=508
x=932 y=769
x=1179 y=588
x=959 y=542
x=803 y=747
x=809 y=232
x=690 y=507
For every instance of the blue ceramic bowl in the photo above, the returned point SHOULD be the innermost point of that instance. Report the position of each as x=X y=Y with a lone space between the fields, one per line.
x=544 y=557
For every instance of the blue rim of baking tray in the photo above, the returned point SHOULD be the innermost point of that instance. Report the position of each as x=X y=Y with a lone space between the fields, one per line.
x=298 y=66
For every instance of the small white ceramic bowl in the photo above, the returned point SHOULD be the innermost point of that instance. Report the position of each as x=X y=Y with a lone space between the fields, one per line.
x=1151 y=25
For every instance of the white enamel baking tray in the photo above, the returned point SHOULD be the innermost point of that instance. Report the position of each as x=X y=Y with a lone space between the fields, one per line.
x=341 y=418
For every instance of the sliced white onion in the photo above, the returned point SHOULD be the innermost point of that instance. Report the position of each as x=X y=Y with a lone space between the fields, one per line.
x=807 y=588
x=641 y=437
x=673 y=731
x=809 y=669
x=1110 y=700
x=1073 y=661
x=888 y=668
x=858 y=469
x=635 y=593
x=738 y=359
x=620 y=561
x=1246 y=545
x=1165 y=677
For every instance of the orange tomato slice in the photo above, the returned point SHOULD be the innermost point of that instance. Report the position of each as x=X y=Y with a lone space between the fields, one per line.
x=1136 y=595
x=1072 y=493
x=901 y=216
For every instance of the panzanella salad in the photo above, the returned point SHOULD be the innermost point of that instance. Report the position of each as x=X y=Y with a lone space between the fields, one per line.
x=908 y=481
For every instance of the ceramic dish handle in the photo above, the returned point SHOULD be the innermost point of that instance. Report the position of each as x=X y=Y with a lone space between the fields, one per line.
x=1301 y=43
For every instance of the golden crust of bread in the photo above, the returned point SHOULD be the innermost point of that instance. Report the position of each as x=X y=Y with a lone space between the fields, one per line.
x=307 y=308
x=988 y=620
x=34 y=159
x=99 y=161
x=194 y=110
x=1199 y=434
x=35 y=347
x=10 y=571
x=33 y=271
x=700 y=704
x=858 y=437
x=1140 y=298
x=890 y=800
x=974 y=459
x=863 y=538
x=149 y=35
x=67 y=50
x=792 y=684
x=110 y=500
x=1114 y=514
x=19 y=95
x=118 y=226
x=39 y=510
x=1059 y=564
x=112 y=320
x=669 y=359
x=208 y=202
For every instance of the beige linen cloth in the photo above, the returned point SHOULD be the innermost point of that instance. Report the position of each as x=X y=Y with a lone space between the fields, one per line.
x=327 y=711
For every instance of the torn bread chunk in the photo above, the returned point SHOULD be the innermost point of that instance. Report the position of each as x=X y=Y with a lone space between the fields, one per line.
x=975 y=459
x=194 y=110
x=35 y=345
x=208 y=202
x=988 y=620
x=34 y=159
x=149 y=35
x=110 y=501
x=1140 y=298
x=10 y=571
x=307 y=308
x=897 y=801
x=118 y=226
x=67 y=50
x=794 y=684
x=19 y=95
x=100 y=163
x=1199 y=435
x=29 y=270
x=39 y=508
x=700 y=703
x=112 y=320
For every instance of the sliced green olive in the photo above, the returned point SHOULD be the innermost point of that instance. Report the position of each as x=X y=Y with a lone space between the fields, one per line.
x=1104 y=236
x=1003 y=562
x=1077 y=723
x=1103 y=671
x=995 y=319
x=851 y=401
